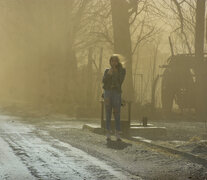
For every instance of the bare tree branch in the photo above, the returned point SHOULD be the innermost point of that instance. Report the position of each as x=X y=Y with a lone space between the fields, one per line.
x=144 y=37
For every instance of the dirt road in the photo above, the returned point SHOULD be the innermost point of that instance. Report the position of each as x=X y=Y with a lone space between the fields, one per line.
x=28 y=152
x=56 y=147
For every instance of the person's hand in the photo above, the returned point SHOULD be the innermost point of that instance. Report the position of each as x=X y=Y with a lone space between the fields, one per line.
x=110 y=72
x=115 y=69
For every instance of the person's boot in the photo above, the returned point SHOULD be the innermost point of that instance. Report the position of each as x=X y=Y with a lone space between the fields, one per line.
x=118 y=137
x=108 y=135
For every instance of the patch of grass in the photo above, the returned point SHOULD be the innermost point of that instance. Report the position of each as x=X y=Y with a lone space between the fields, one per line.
x=195 y=139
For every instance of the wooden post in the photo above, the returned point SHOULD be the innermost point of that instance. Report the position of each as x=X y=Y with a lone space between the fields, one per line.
x=102 y=115
x=129 y=114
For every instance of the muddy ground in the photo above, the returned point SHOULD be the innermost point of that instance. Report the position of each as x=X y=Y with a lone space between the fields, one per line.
x=136 y=158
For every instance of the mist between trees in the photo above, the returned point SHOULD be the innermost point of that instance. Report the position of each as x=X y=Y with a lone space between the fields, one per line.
x=53 y=52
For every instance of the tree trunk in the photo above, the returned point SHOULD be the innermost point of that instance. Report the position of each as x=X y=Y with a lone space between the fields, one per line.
x=200 y=29
x=99 y=74
x=154 y=78
x=199 y=54
x=89 y=87
x=122 y=41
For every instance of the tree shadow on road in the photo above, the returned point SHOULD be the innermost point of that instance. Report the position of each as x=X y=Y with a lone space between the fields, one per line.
x=119 y=145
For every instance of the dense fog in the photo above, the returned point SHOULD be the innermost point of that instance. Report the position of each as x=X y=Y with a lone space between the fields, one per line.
x=53 y=52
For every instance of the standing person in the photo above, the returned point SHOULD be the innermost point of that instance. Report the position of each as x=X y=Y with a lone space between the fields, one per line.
x=112 y=82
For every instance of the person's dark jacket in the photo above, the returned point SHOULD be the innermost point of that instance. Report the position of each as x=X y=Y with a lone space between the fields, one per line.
x=114 y=81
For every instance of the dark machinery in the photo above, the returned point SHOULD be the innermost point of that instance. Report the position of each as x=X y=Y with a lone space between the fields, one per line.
x=179 y=82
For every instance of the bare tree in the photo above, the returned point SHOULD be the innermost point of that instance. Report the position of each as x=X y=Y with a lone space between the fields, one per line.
x=182 y=15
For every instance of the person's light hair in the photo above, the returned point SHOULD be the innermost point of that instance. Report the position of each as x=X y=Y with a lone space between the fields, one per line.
x=119 y=58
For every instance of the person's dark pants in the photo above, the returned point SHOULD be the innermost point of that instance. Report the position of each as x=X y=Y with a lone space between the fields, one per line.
x=112 y=101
